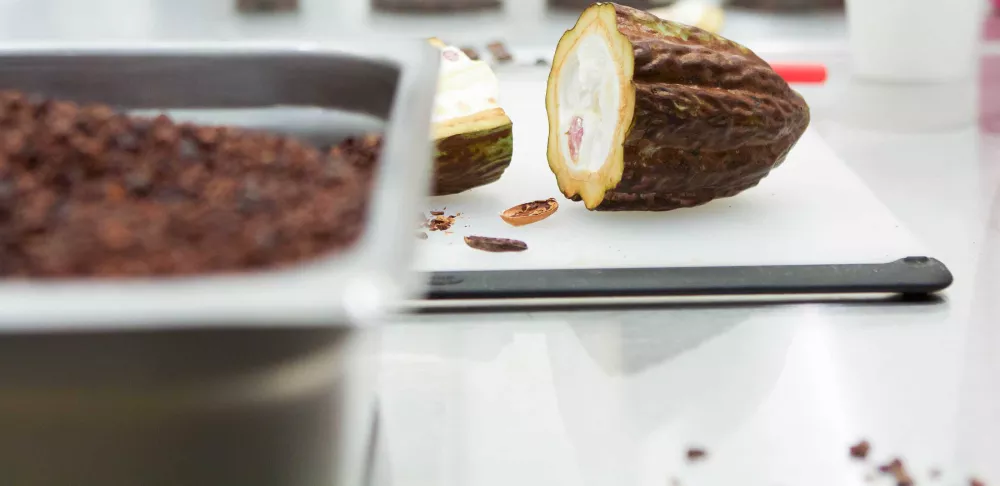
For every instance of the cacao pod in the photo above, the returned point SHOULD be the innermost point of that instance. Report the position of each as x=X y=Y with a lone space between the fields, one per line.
x=648 y=114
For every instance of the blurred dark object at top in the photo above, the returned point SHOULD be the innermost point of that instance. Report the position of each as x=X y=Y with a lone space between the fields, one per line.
x=471 y=52
x=788 y=5
x=264 y=6
x=582 y=4
x=435 y=5
x=499 y=51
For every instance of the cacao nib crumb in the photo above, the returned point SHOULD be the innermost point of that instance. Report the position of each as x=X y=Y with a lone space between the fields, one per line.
x=127 y=141
x=139 y=182
x=898 y=472
x=860 y=450
x=188 y=148
x=890 y=466
x=696 y=454
x=87 y=191
x=437 y=213
x=441 y=223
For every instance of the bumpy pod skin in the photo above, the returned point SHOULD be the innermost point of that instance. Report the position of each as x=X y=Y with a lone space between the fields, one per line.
x=710 y=120
x=468 y=160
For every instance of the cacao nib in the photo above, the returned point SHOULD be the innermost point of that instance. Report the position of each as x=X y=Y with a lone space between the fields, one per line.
x=897 y=470
x=860 y=450
x=696 y=454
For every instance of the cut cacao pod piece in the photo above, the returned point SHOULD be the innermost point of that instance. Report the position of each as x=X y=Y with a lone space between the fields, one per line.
x=648 y=114
x=473 y=136
x=495 y=245
x=531 y=212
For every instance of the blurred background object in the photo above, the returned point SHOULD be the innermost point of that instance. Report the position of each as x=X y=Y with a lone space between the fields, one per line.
x=261 y=6
x=932 y=76
x=761 y=5
x=582 y=4
x=914 y=40
x=435 y=5
x=698 y=13
x=788 y=5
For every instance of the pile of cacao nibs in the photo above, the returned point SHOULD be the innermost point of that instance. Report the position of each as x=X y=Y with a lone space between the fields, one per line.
x=440 y=222
x=87 y=191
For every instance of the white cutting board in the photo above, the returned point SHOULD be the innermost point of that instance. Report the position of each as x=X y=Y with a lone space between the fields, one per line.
x=811 y=210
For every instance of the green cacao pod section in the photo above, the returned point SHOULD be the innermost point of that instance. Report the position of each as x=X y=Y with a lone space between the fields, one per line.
x=648 y=114
x=472 y=134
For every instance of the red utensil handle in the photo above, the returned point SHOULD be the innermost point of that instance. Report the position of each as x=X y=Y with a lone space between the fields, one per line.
x=801 y=73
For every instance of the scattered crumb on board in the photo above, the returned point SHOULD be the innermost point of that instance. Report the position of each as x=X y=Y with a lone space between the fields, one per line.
x=696 y=454
x=860 y=450
x=439 y=221
x=898 y=472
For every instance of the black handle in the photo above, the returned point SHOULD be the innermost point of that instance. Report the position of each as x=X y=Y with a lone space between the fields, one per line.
x=911 y=275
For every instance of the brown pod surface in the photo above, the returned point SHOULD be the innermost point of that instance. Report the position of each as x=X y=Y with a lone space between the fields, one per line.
x=698 y=116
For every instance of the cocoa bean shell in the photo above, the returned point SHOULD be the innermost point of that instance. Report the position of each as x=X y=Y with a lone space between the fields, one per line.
x=495 y=245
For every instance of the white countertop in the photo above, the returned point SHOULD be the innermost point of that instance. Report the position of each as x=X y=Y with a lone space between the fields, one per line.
x=774 y=393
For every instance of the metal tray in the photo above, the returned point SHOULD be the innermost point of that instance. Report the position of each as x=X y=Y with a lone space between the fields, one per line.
x=390 y=87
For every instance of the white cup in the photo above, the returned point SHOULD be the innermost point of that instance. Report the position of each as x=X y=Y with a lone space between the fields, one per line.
x=915 y=41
